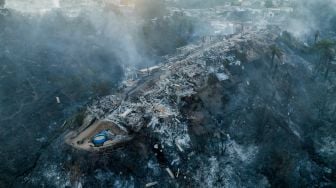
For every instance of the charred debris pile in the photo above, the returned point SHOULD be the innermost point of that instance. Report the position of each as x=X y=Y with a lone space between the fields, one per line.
x=252 y=109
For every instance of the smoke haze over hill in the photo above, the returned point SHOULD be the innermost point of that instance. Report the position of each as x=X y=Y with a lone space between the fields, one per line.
x=58 y=56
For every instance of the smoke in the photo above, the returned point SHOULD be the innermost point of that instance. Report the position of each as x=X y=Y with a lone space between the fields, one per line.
x=308 y=16
x=82 y=38
x=2 y=3
x=311 y=16
x=74 y=50
x=78 y=49
x=89 y=42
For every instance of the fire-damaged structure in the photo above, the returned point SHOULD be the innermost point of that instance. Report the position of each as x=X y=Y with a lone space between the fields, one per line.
x=212 y=112
x=155 y=98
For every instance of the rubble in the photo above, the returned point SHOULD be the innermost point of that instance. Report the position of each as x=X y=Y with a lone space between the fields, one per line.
x=154 y=102
x=205 y=111
x=204 y=117
x=171 y=174
x=58 y=100
x=151 y=184
x=179 y=146
x=148 y=70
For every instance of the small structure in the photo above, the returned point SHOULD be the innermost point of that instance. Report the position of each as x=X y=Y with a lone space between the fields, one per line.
x=102 y=134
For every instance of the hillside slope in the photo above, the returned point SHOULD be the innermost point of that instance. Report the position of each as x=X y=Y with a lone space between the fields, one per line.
x=217 y=114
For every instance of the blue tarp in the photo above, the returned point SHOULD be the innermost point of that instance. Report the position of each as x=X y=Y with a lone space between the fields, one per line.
x=100 y=138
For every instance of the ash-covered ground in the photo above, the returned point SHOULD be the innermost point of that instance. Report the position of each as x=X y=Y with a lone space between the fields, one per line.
x=237 y=97
x=221 y=115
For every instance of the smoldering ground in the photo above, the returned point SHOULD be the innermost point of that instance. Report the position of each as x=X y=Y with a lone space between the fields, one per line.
x=74 y=51
x=77 y=51
x=49 y=54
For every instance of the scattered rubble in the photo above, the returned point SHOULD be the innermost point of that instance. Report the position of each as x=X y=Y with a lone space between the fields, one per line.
x=171 y=174
x=179 y=146
x=155 y=103
x=151 y=184
x=179 y=105
x=58 y=100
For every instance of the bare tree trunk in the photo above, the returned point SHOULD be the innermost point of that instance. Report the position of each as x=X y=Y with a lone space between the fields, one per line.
x=275 y=69
x=327 y=71
x=320 y=64
x=315 y=40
